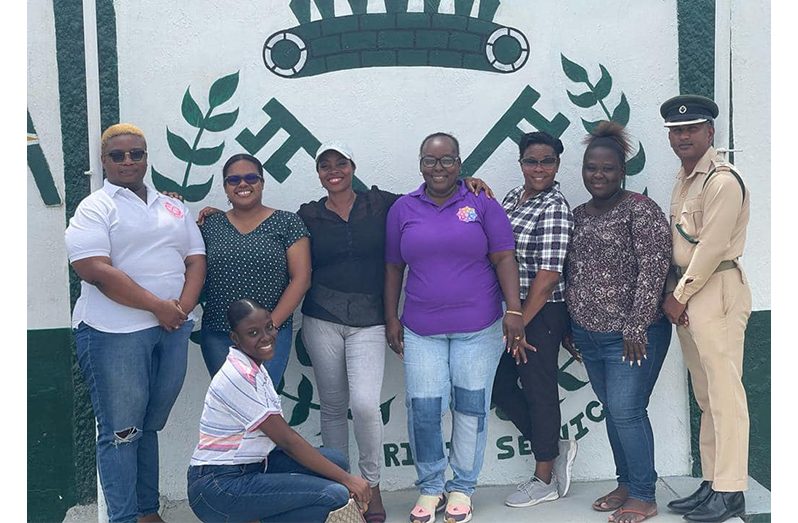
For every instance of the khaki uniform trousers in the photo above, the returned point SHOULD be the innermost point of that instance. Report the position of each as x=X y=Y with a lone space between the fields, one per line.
x=713 y=350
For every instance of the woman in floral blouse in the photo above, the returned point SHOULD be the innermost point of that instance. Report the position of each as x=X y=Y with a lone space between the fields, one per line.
x=616 y=270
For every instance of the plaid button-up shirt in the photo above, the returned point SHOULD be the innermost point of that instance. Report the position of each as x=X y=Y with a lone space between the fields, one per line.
x=542 y=226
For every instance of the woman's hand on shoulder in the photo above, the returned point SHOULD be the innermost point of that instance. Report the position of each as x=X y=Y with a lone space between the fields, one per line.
x=477 y=185
x=205 y=212
x=172 y=194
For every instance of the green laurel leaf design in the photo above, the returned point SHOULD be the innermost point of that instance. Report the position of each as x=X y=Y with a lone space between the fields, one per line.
x=583 y=100
x=596 y=95
x=301 y=350
x=621 y=112
x=604 y=85
x=164 y=184
x=179 y=147
x=569 y=382
x=635 y=164
x=207 y=156
x=574 y=71
x=222 y=90
x=305 y=390
x=501 y=415
x=299 y=415
x=221 y=122
x=191 y=111
x=196 y=193
x=385 y=411
x=589 y=126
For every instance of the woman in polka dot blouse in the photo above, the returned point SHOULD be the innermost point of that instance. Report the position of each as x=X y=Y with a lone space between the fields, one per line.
x=252 y=251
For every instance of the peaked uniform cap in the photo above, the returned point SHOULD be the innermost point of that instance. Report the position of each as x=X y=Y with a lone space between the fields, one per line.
x=688 y=109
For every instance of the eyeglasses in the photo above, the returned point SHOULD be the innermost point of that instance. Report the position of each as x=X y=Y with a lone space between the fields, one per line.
x=250 y=178
x=117 y=156
x=547 y=162
x=446 y=161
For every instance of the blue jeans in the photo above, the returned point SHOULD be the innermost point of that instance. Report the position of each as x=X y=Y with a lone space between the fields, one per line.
x=215 y=346
x=286 y=491
x=460 y=367
x=133 y=381
x=624 y=391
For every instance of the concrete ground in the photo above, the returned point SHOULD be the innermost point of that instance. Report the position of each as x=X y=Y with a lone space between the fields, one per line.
x=488 y=503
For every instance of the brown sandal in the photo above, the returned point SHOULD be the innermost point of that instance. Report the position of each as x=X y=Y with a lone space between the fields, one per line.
x=645 y=515
x=612 y=505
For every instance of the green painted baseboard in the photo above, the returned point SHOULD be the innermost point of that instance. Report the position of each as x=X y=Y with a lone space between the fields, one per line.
x=51 y=464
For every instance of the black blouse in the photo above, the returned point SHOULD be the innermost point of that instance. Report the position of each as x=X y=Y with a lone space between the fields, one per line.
x=348 y=259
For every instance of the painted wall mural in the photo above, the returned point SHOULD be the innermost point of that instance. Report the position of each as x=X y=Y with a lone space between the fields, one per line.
x=277 y=78
x=394 y=37
x=380 y=76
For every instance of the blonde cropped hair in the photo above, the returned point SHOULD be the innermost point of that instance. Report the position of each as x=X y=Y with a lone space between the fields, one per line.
x=119 y=129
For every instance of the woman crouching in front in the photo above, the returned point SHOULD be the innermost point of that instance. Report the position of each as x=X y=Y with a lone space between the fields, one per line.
x=249 y=465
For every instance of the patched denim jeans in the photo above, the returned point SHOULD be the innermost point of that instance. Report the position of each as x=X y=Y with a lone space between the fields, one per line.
x=215 y=346
x=459 y=368
x=285 y=492
x=624 y=391
x=133 y=380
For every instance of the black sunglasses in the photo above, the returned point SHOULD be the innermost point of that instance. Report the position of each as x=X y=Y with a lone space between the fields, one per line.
x=117 y=156
x=235 y=179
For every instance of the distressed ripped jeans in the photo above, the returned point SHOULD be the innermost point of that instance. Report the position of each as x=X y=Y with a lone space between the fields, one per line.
x=133 y=380
x=460 y=368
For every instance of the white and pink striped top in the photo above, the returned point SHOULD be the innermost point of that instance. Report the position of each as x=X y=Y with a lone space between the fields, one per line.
x=241 y=396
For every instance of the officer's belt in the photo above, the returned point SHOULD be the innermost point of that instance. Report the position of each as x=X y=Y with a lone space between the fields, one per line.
x=723 y=266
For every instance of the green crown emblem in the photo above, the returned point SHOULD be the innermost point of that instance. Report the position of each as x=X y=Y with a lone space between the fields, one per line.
x=394 y=38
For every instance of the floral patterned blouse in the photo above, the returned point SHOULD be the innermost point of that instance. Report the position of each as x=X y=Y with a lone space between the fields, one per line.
x=616 y=267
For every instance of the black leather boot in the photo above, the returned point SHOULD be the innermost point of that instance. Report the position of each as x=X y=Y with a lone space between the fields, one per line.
x=719 y=506
x=685 y=505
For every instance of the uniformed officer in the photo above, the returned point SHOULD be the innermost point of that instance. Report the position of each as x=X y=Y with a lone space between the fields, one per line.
x=709 y=300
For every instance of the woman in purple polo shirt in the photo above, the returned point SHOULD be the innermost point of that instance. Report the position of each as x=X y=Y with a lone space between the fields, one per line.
x=460 y=251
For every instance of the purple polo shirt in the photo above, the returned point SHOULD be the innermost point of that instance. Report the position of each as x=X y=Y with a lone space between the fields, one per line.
x=451 y=285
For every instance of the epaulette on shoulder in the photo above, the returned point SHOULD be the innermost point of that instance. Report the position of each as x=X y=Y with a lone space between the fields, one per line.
x=726 y=167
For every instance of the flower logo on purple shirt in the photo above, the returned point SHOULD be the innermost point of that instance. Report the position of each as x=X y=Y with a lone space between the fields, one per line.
x=467 y=214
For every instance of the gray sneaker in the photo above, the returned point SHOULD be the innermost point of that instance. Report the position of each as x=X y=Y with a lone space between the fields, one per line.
x=533 y=492
x=563 y=464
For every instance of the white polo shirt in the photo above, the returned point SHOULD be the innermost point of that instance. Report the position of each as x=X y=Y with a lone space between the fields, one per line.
x=147 y=241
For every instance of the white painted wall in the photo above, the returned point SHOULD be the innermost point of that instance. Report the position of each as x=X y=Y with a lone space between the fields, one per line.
x=48 y=289
x=750 y=64
x=383 y=113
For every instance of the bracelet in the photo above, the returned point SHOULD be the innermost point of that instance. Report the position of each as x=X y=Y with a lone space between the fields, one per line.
x=514 y=312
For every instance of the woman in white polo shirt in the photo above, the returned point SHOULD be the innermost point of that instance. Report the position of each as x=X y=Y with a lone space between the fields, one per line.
x=141 y=260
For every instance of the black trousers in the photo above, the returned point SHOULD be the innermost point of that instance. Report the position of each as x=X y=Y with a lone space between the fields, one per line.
x=534 y=407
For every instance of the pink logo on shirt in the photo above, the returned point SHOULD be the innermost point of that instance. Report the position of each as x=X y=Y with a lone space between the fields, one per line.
x=173 y=210
x=467 y=214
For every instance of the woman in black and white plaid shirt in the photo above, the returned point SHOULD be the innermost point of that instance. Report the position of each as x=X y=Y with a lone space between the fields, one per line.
x=542 y=225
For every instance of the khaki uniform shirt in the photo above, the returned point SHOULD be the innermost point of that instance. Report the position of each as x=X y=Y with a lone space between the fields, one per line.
x=708 y=223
